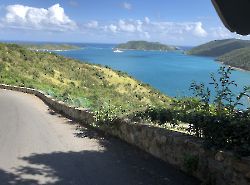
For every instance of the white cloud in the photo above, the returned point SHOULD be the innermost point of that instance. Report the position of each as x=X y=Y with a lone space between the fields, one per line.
x=163 y=31
x=55 y=19
x=127 y=6
x=163 y=28
x=176 y=28
x=199 y=30
x=126 y=26
x=147 y=20
x=221 y=32
x=93 y=24
x=111 y=27
x=180 y=33
x=25 y=17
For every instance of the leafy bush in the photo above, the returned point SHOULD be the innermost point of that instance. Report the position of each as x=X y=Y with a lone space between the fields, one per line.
x=155 y=114
x=218 y=120
x=108 y=113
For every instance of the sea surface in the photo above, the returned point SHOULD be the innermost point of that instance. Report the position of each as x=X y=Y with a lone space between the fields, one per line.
x=169 y=72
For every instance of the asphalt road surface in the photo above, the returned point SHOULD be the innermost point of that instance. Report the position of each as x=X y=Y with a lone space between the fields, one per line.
x=38 y=146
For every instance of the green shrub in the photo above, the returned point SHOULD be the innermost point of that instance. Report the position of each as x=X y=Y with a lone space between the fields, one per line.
x=219 y=122
x=156 y=114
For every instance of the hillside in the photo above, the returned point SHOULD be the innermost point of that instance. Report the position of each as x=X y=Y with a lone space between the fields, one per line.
x=76 y=83
x=144 y=45
x=49 y=46
x=239 y=58
x=219 y=47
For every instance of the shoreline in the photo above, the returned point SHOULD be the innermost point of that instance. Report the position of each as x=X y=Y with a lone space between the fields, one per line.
x=146 y=50
x=234 y=68
x=53 y=50
x=220 y=62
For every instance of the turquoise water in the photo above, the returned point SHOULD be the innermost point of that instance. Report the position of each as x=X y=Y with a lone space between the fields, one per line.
x=169 y=72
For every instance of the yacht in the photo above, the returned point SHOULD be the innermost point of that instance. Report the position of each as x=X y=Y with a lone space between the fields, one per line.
x=117 y=51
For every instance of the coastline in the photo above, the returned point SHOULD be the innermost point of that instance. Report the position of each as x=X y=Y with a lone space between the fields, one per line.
x=234 y=68
x=220 y=62
x=145 y=50
x=53 y=50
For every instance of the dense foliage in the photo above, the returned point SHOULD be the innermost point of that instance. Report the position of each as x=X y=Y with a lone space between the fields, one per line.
x=219 y=47
x=239 y=58
x=219 y=121
x=144 y=45
x=76 y=83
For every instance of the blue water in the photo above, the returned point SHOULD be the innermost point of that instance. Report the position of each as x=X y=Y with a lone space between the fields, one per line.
x=169 y=72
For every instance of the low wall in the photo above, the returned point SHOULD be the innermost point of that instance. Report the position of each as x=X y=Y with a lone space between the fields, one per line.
x=181 y=150
x=78 y=114
x=186 y=153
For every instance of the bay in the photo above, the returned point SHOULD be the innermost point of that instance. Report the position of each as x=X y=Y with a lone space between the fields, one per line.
x=169 y=72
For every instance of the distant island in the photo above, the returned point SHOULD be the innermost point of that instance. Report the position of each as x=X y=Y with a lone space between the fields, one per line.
x=232 y=52
x=52 y=47
x=144 y=45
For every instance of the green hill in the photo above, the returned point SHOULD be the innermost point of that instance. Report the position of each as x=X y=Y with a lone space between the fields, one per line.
x=144 y=45
x=239 y=58
x=76 y=83
x=219 y=47
x=49 y=46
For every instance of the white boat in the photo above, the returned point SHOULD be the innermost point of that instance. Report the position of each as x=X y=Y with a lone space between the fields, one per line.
x=117 y=51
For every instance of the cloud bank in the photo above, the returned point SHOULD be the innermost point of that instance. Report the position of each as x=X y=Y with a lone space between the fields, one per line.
x=147 y=29
x=48 y=22
x=25 y=17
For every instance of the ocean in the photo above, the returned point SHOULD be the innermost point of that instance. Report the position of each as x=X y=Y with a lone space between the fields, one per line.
x=169 y=72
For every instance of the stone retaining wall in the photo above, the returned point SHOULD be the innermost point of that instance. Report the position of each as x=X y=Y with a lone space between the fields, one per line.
x=81 y=115
x=186 y=153
x=181 y=150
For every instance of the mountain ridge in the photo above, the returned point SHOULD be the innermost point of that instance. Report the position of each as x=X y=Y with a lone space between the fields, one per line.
x=231 y=52
x=218 y=48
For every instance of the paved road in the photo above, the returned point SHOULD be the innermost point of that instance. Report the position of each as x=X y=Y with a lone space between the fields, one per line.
x=38 y=146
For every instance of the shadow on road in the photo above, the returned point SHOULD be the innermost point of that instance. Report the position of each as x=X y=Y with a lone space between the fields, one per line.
x=116 y=163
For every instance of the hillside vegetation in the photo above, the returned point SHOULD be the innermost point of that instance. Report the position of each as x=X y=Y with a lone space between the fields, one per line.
x=50 y=46
x=232 y=52
x=239 y=58
x=144 y=45
x=219 y=47
x=76 y=83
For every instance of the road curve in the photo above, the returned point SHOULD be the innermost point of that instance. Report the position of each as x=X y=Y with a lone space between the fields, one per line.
x=38 y=146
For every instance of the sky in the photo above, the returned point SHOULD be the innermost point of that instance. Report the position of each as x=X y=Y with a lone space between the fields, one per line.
x=174 y=22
